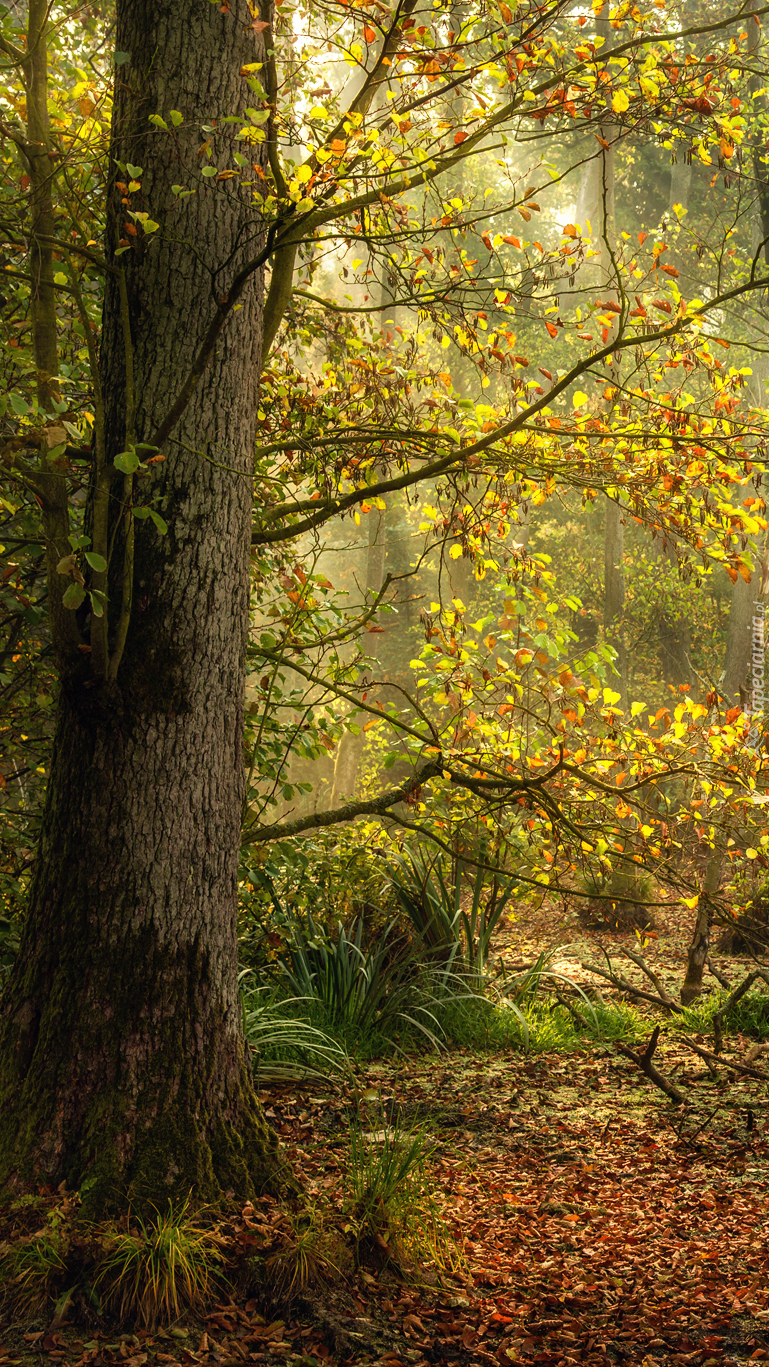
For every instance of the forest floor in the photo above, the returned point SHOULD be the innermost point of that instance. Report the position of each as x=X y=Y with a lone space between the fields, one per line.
x=596 y=1222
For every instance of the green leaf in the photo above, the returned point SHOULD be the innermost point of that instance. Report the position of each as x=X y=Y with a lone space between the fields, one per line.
x=209 y=171
x=127 y=462
x=135 y=172
x=96 y=561
x=150 y=226
x=60 y=278
x=74 y=596
x=119 y=250
x=158 y=122
x=176 y=118
x=161 y=525
x=97 y=604
x=121 y=58
x=141 y=513
x=19 y=405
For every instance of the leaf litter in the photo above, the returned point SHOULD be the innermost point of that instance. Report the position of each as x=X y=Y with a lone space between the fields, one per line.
x=597 y=1224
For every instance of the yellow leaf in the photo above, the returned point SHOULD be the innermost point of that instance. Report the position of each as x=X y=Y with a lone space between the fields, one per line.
x=456 y=551
x=578 y=398
x=750 y=853
x=620 y=101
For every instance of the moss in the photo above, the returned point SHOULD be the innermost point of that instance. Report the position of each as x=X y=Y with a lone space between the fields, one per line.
x=167 y=1141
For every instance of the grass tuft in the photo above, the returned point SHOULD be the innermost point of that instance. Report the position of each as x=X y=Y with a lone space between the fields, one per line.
x=156 y=1269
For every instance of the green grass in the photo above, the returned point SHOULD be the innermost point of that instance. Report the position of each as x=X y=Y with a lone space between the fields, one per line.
x=155 y=1269
x=389 y=1199
x=749 y=1016
x=283 y=1041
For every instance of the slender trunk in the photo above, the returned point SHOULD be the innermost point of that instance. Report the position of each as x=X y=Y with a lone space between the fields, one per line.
x=673 y=629
x=350 y=749
x=122 y=1063
x=614 y=590
x=41 y=158
x=691 y=988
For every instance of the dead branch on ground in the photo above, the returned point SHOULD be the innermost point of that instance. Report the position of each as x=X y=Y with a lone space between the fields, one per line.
x=644 y=1062
x=722 y=1012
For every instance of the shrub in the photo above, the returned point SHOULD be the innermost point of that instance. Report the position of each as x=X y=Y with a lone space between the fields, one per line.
x=282 y=1045
x=454 y=935
x=617 y=900
x=390 y=1206
x=366 y=996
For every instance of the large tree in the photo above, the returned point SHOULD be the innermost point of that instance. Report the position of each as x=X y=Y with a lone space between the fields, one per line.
x=121 y=1047
x=122 y=1064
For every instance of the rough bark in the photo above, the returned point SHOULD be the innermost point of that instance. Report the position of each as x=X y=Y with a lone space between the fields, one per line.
x=122 y=1063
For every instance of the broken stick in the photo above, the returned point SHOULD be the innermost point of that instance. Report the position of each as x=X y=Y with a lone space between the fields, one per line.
x=644 y=1062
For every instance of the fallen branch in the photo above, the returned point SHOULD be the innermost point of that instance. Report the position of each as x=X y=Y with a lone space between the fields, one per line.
x=704 y=1054
x=661 y=990
x=623 y=985
x=644 y=1062
x=721 y=1013
x=719 y=975
x=577 y=1017
x=725 y=1062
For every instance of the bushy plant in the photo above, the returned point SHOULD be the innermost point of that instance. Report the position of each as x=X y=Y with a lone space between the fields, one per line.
x=390 y=1205
x=618 y=900
x=148 y=1271
x=156 y=1269
x=332 y=875
x=281 y=1043
x=363 y=994
x=454 y=934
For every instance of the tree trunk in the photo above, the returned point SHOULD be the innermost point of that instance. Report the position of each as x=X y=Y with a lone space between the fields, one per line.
x=691 y=988
x=122 y=1063
x=614 y=590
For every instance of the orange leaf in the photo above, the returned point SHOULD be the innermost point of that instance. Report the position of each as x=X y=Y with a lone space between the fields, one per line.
x=506 y=13
x=514 y=241
x=460 y=137
x=368 y=33
x=552 y=329
x=745 y=572
x=642 y=237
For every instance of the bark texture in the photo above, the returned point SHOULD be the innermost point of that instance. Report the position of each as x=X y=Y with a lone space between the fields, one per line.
x=122 y=1064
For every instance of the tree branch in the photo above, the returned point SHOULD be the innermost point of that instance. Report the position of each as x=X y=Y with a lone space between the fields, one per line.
x=349 y=812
